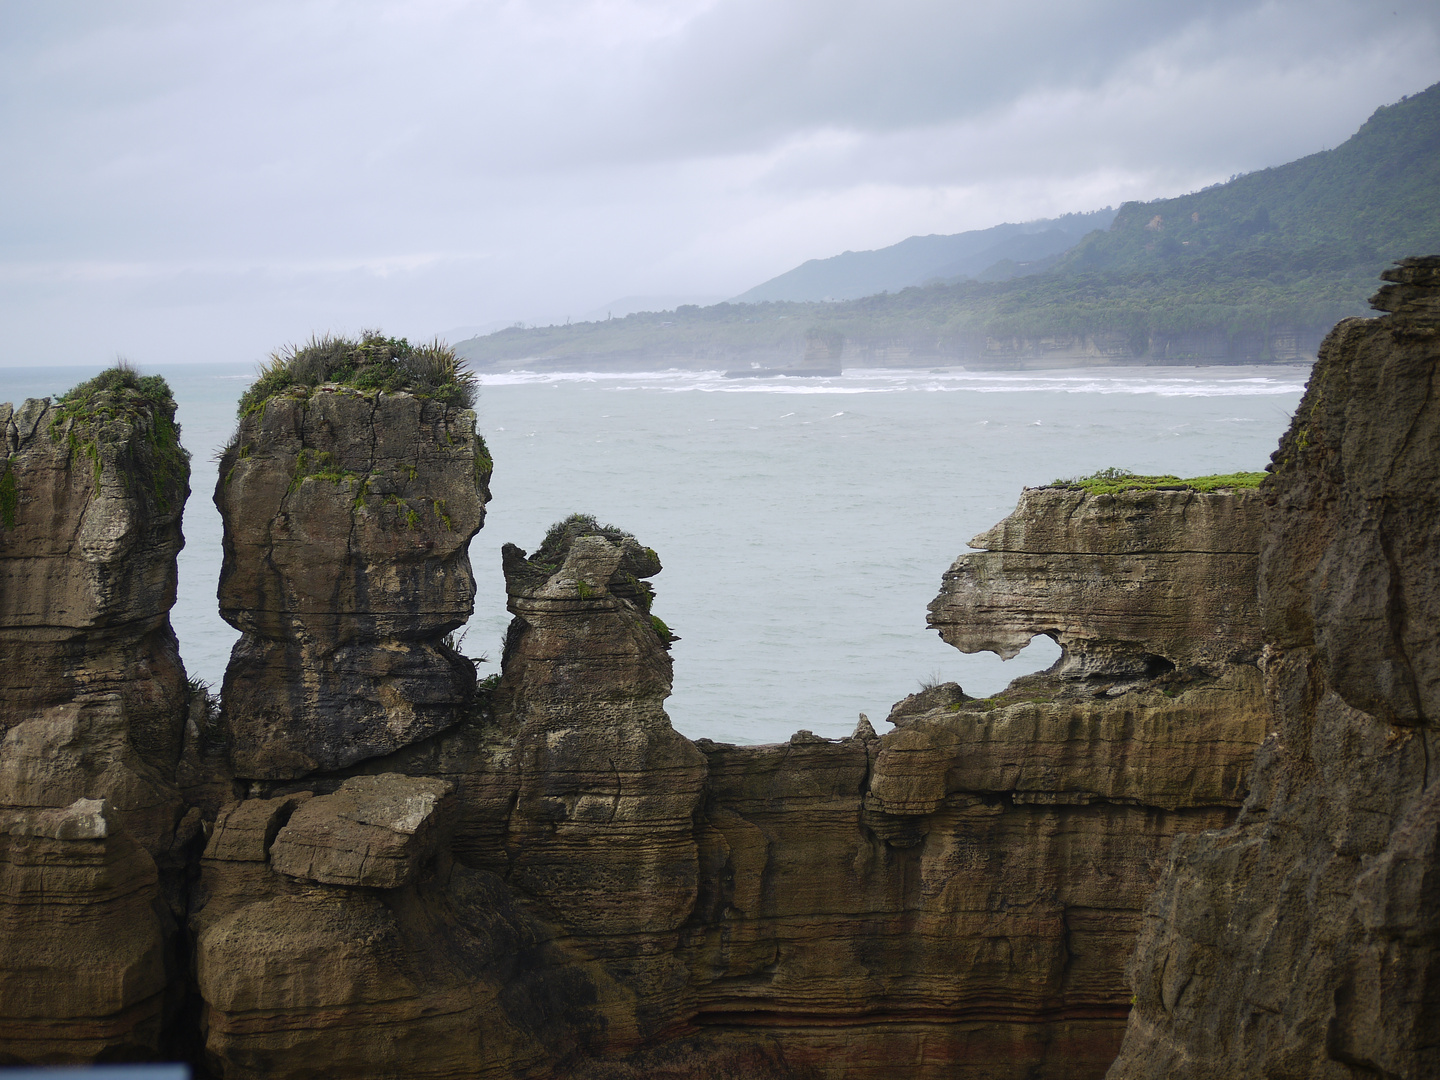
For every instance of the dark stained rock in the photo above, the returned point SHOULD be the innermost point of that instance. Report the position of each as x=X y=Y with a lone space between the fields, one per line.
x=83 y=971
x=348 y=518
x=1304 y=941
x=442 y=977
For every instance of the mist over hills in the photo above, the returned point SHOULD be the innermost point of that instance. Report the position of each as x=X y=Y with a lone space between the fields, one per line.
x=1253 y=270
x=1002 y=251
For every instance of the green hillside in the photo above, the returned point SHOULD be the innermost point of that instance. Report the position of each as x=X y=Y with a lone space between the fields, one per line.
x=1251 y=270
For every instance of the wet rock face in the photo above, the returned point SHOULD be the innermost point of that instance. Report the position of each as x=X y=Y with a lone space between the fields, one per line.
x=1133 y=583
x=92 y=707
x=347 y=523
x=1304 y=941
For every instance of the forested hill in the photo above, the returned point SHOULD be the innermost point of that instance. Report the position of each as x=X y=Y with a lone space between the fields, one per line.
x=1359 y=206
x=1252 y=270
x=996 y=253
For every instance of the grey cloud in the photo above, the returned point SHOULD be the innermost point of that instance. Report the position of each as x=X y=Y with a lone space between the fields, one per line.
x=279 y=167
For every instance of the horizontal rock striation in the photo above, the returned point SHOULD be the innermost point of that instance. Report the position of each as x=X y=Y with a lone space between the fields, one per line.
x=1137 y=582
x=92 y=709
x=348 y=517
x=958 y=895
x=1304 y=941
x=402 y=876
x=333 y=934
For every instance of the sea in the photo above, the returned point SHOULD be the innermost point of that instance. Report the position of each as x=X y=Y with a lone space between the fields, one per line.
x=803 y=524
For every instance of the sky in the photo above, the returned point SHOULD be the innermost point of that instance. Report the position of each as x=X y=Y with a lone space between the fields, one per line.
x=197 y=182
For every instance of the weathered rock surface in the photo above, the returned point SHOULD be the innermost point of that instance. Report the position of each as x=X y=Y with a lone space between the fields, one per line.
x=549 y=881
x=1304 y=941
x=348 y=518
x=92 y=708
x=417 y=967
x=83 y=971
x=1131 y=583
x=94 y=696
x=377 y=831
x=958 y=895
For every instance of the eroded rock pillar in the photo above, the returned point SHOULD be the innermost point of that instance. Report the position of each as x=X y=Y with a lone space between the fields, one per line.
x=92 y=711
x=348 y=518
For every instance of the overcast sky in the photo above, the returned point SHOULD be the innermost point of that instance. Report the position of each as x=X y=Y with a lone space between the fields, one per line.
x=206 y=181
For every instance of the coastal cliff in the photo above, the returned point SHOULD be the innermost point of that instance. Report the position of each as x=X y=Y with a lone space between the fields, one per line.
x=364 y=863
x=1304 y=941
x=959 y=893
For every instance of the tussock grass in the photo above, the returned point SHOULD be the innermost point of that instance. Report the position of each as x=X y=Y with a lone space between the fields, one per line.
x=122 y=393
x=374 y=362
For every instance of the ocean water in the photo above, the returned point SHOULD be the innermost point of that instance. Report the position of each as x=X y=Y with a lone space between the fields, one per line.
x=803 y=524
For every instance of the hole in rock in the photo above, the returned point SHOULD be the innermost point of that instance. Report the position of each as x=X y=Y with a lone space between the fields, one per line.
x=985 y=674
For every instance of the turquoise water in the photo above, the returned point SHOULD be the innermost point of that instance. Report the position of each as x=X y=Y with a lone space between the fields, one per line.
x=803 y=524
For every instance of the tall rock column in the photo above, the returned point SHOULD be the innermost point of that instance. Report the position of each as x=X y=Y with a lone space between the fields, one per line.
x=92 y=710
x=348 y=517
x=1304 y=941
x=600 y=838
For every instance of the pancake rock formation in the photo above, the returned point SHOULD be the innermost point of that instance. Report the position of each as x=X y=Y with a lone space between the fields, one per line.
x=93 y=703
x=960 y=894
x=367 y=865
x=1304 y=941
x=1137 y=582
x=348 y=518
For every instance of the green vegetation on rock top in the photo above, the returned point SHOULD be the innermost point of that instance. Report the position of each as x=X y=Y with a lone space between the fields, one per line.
x=143 y=401
x=566 y=531
x=374 y=363
x=114 y=391
x=1110 y=481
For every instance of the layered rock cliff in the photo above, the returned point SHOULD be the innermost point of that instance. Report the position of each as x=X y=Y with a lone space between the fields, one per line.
x=93 y=830
x=1304 y=941
x=959 y=894
x=382 y=871
x=348 y=517
x=1132 y=583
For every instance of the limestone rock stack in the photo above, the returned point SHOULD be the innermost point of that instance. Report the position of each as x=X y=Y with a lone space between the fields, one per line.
x=600 y=836
x=92 y=710
x=365 y=866
x=348 y=518
x=1304 y=941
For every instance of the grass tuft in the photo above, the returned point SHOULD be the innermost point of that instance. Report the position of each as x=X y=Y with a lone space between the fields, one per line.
x=374 y=362
x=1113 y=480
x=122 y=393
